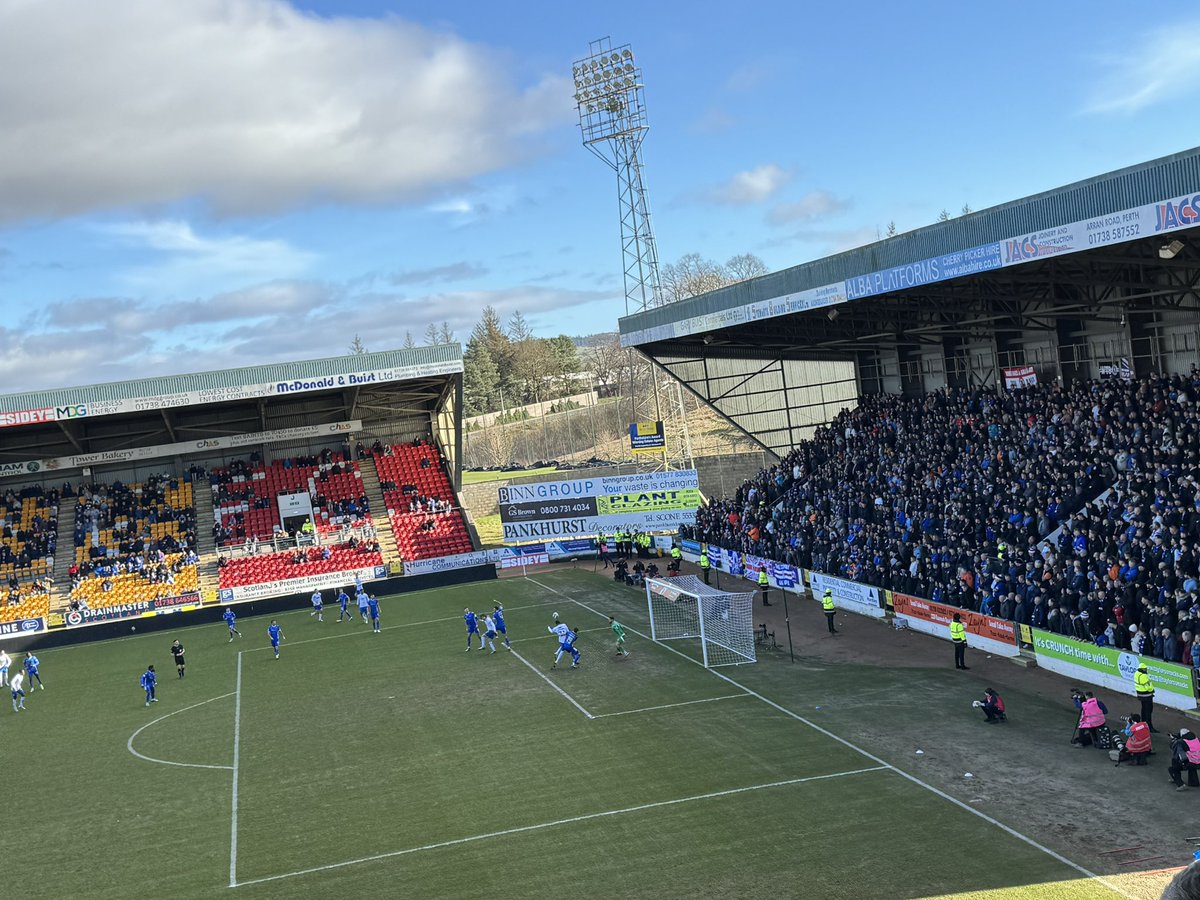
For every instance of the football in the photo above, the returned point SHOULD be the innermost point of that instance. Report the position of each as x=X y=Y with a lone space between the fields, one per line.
x=555 y=616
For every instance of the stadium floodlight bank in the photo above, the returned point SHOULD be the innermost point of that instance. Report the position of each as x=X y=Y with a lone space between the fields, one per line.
x=686 y=608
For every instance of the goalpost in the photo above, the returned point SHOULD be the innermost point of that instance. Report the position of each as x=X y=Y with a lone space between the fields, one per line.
x=685 y=607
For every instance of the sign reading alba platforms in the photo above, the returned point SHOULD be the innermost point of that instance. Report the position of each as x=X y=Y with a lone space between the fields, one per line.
x=1113 y=668
x=655 y=501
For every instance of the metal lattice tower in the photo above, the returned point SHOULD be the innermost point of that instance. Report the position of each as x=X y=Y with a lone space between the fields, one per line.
x=610 y=99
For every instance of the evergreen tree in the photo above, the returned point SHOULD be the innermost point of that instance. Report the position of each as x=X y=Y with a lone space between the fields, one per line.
x=481 y=380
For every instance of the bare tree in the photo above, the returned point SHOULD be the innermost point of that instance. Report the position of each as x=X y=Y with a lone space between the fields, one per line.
x=356 y=347
x=445 y=334
x=690 y=276
x=745 y=266
x=431 y=334
x=409 y=343
x=966 y=210
x=944 y=216
x=892 y=230
x=608 y=361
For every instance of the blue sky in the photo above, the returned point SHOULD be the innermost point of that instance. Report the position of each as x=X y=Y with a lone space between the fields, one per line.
x=209 y=183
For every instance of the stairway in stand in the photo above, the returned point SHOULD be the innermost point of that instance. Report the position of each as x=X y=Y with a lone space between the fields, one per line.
x=64 y=554
x=379 y=513
x=206 y=547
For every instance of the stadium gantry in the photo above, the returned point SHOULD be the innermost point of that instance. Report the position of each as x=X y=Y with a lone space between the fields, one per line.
x=1092 y=279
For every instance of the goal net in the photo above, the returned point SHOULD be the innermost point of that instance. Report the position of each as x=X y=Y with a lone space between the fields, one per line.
x=686 y=608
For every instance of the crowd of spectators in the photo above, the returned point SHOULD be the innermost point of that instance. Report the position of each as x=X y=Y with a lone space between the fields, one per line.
x=1074 y=508
x=118 y=520
x=23 y=541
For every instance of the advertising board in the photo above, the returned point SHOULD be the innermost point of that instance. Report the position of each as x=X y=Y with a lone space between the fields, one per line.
x=653 y=501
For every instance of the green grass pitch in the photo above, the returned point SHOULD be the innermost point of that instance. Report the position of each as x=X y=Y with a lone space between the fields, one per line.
x=396 y=764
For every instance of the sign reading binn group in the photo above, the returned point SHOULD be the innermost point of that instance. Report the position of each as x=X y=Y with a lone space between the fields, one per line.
x=653 y=501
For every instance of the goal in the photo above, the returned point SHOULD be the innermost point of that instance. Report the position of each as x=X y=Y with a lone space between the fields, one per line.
x=686 y=608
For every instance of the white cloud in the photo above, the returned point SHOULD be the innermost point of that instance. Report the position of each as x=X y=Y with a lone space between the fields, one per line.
x=251 y=105
x=112 y=339
x=753 y=186
x=182 y=257
x=1161 y=65
x=813 y=205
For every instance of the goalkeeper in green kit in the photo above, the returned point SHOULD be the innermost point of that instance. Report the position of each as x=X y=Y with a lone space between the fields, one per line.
x=619 y=631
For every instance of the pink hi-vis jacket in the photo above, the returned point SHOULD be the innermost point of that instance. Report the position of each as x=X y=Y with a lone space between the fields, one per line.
x=1091 y=714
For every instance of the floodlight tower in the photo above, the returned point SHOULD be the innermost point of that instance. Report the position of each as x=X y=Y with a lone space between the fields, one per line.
x=610 y=99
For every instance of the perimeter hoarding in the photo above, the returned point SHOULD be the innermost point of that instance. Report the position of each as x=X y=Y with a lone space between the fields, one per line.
x=301 y=585
x=996 y=636
x=1113 y=669
x=654 y=501
x=848 y=595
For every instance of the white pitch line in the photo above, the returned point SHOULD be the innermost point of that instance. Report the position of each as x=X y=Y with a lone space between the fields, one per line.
x=167 y=762
x=237 y=745
x=630 y=712
x=331 y=637
x=557 y=822
x=542 y=675
x=871 y=756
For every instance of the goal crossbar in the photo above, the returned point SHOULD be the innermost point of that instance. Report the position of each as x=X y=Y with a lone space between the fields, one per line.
x=685 y=608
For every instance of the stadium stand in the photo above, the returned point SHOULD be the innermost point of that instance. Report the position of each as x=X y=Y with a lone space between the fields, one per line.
x=1074 y=508
x=297 y=564
x=244 y=495
x=420 y=501
x=133 y=542
x=28 y=534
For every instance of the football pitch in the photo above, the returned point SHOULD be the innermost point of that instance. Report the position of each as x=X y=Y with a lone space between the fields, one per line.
x=396 y=764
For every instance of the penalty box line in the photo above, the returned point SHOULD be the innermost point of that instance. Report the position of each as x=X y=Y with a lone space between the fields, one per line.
x=871 y=756
x=542 y=675
x=560 y=822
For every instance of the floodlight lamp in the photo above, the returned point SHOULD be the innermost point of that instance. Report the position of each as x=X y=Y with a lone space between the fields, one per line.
x=627 y=53
x=615 y=58
x=1171 y=250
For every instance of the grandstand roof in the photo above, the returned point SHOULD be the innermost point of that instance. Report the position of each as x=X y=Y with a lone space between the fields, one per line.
x=120 y=422
x=276 y=379
x=978 y=242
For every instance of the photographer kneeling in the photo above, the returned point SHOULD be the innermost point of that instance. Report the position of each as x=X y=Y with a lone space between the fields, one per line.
x=1137 y=741
x=1091 y=718
x=1185 y=756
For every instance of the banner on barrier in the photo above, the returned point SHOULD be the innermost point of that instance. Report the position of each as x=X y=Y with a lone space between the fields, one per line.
x=303 y=585
x=525 y=559
x=690 y=546
x=848 y=595
x=76 y=618
x=984 y=632
x=1113 y=669
x=19 y=627
x=446 y=563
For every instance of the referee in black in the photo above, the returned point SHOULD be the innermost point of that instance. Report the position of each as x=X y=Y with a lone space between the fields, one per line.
x=177 y=652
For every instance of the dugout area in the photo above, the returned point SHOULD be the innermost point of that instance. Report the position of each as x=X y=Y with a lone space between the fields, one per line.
x=399 y=765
